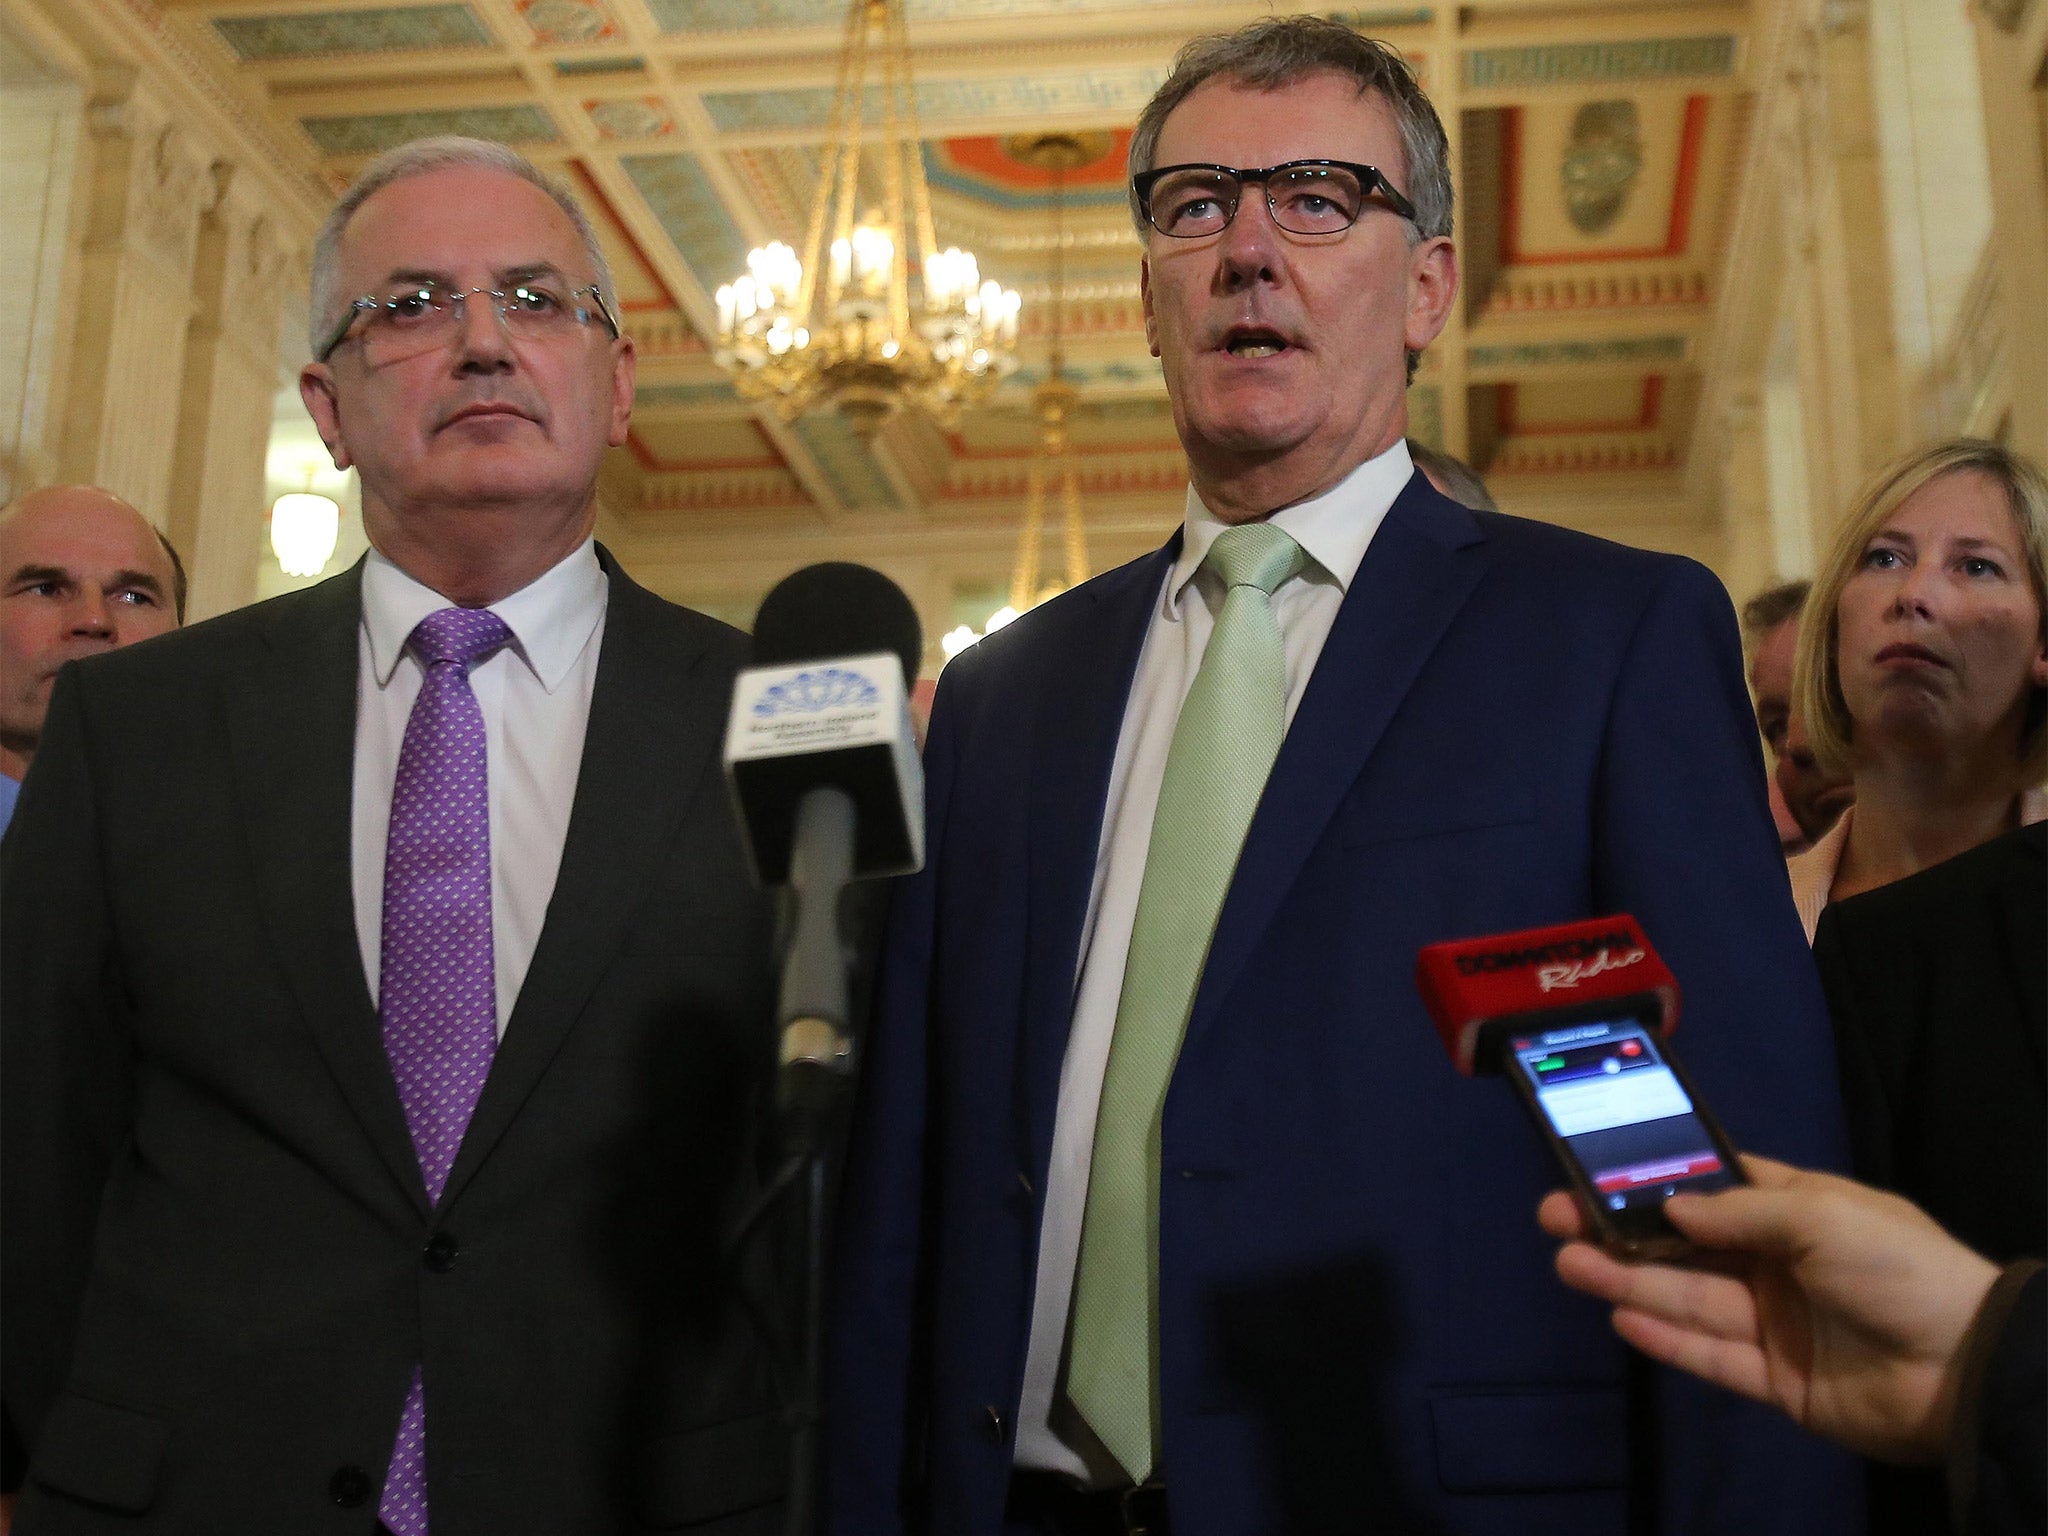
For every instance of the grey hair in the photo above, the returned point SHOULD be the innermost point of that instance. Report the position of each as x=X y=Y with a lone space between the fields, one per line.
x=1457 y=479
x=1280 y=50
x=422 y=157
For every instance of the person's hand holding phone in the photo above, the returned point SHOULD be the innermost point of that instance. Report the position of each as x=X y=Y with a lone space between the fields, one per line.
x=1839 y=1304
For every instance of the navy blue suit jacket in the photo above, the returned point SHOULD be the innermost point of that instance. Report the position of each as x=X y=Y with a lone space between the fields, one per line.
x=1509 y=725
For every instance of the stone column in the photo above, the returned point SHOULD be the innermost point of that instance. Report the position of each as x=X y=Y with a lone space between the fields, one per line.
x=149 y=189
x=2012 y=52
x=240 y=282
x=1749 y=551
x=39 y=128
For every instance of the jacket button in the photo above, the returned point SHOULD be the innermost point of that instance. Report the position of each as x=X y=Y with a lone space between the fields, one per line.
x=991 y=1423
x=349 y=1487
x=440 y=1252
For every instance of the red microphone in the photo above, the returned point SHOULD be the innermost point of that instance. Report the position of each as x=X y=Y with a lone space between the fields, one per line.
x=1470 y=984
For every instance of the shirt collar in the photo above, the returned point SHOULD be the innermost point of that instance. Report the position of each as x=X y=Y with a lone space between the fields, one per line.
x=1333 y=529
x=551 y=617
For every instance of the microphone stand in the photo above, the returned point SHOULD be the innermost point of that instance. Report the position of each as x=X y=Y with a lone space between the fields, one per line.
x=813 y=1089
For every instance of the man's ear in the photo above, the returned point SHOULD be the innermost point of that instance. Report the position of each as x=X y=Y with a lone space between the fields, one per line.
x=623 y=364
x=1432 y=289
x=316 y=388
x=1145 y=301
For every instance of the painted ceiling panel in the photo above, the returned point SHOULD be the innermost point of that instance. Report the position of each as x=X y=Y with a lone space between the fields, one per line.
x=1012 y=97
x=682 y=198
x=845 y=462
x=555 y=22
x=1097 y=426
x=653 y=397
x=983 y=169
x=670 y=445
x=1587 y=405
x=392 y=29
x=639 y=287
x=751 y=15
x=378 y=131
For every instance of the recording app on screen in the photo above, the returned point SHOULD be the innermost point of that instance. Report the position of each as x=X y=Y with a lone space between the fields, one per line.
x=1621 y=1111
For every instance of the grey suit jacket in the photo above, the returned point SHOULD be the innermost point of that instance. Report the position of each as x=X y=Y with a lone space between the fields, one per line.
x=220 y=1265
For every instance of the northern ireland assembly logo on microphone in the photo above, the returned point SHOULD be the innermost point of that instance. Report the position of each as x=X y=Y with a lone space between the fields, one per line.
x=812 y=691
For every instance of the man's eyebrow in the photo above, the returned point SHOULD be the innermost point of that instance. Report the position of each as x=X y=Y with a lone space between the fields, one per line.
x=419 y=275
x=520 y=273
x=36 y=573
x=141 y=579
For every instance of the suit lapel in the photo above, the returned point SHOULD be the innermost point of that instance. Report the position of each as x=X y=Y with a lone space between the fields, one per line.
x=1085 y=684
x=1421 y=565
x=291 y=730
x=656 y=720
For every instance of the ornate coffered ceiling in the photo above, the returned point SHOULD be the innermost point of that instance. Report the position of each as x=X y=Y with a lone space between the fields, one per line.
x=1596 y=145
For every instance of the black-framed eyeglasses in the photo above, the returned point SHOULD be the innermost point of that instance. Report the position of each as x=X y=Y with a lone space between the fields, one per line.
x=422 y=316
x=1306 y=197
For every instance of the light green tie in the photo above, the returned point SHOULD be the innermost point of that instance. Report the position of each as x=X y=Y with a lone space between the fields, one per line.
x=1223 y=749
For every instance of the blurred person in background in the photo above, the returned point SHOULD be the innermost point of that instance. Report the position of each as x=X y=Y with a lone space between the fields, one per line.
x=1804 y=800
x=1453 y=476
x=1923 y=672
x=1938 y=988
x=83 y=572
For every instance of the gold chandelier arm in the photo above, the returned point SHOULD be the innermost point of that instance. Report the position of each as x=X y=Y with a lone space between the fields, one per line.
x=1077 y=533
x=1024 y=579
x=851 y=66
x=1057 y=315
x=913 y=142
x=895 y=62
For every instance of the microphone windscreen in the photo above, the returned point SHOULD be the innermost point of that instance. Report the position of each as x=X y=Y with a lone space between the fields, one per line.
x=1469 y=984
x=837 y=608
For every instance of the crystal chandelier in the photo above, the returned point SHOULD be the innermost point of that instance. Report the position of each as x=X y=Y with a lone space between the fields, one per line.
x=857 y=341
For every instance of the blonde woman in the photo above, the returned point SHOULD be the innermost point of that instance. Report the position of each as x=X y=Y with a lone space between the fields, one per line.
x=1922 y=669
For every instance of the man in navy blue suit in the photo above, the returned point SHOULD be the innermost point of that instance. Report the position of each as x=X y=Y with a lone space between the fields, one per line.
x=1164 y=1209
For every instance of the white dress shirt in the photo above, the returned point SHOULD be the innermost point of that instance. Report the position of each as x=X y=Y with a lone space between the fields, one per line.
x=535 y=697
x=1334 y=529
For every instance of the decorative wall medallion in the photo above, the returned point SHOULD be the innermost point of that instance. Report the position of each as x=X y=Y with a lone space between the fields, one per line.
x=567 y=21
x=643 y=117
x=1601 y=160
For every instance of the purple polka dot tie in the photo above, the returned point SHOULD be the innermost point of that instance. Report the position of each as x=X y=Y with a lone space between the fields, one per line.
x=438 y=996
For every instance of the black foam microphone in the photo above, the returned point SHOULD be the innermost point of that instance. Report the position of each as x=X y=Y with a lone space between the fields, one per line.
x=822 y=762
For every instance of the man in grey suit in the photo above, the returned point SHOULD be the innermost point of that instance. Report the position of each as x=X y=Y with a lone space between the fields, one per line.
x=385 y=997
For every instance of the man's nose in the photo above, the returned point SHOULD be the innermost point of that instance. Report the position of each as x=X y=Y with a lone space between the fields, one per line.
x=92 y=614
x=1249 y=246
x=483 y=342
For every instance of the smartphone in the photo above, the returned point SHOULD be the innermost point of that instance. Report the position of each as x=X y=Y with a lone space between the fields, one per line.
x=1622 y=1119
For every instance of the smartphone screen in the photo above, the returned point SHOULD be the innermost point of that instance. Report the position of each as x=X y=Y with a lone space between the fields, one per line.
x=1621 y=1116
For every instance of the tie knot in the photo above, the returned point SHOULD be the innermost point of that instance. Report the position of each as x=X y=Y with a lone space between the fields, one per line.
x=459 y=634
x=1254 y=555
